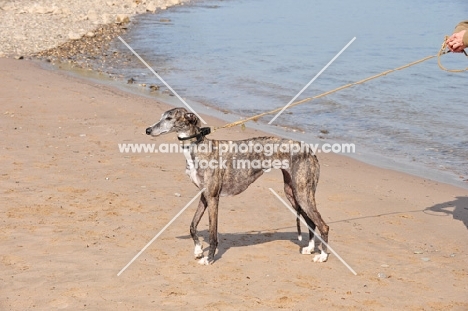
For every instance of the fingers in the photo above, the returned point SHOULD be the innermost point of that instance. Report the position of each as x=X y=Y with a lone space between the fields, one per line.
x=451 y=42
x=451 y=46
x=455 y=42
x=456 y=47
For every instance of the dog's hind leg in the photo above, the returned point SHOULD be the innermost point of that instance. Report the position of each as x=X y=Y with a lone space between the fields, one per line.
x=304 y=182
x=310 y=248
x=202 y=204
x=308 y=200
x=298 y=225
x=288 y=190
x=323 y=228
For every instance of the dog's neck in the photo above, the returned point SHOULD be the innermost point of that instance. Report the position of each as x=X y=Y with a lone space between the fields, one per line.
x=192 y=136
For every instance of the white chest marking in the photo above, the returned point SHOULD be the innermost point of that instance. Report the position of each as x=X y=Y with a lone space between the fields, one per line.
x=190 y=169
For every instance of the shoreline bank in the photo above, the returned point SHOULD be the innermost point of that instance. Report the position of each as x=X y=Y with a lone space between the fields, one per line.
x=32 y=27
x=365 y=156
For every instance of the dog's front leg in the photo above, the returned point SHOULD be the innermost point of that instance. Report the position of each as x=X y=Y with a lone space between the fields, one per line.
x=213 y=223
x=198 y=252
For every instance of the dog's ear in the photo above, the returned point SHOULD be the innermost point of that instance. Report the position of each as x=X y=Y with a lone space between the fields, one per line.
x=191 y=117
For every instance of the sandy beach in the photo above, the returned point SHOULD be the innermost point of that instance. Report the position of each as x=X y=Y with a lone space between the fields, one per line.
x=75 y=211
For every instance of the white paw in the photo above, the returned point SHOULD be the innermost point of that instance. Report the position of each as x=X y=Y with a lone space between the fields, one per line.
x=309 y=249
x=322 y=257
x=198 y=252
x=204 y=261
x=299 y=237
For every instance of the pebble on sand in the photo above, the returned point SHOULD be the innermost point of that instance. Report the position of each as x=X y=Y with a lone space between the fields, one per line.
x=74 y=36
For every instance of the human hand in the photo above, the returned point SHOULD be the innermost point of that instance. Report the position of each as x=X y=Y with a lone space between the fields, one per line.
x=455 y=42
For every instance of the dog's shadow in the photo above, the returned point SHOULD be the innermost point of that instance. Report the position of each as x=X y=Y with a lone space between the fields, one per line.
x=458 y=208
x=229 y=240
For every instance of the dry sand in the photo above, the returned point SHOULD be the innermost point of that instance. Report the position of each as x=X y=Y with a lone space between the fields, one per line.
x=75 y=211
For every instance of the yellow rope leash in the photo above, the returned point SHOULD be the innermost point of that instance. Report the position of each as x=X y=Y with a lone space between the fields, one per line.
x=443 y=50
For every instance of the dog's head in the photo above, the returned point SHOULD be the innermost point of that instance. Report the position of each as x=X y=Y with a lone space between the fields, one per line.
x=175 y=120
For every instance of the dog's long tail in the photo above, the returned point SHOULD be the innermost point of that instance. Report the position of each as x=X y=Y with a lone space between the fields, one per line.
x=298 y=223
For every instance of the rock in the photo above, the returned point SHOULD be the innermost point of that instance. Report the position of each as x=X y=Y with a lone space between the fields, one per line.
x=40 y=10
x=425 y=259
x=81 y=17
x=140 y=10
x=151 y=7
x=177 y=195
x=154 y=88
x=8 y=6
x=47 y=10
x=74 y=36
x=122 y=19
x=381 y=275
x=57 y=11
x=105 y=18
x=92 y=16
x=90 y=34
x=19 y=57
x=131 y=81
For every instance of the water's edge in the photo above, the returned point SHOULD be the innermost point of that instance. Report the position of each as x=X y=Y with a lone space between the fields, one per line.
x=365 y=156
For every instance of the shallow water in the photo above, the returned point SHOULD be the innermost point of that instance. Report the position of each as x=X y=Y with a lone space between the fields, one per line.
x=248 y=57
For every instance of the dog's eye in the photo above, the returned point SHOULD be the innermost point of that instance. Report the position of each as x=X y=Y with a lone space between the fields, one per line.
x=168 y=119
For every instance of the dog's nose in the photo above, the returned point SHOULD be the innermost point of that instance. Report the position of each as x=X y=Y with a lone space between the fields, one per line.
x=149 y=130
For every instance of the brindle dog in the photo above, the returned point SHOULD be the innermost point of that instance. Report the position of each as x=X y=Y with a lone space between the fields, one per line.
x=227 y=168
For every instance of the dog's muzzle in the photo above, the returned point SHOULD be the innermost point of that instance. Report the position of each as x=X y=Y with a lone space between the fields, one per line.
x=149 y=130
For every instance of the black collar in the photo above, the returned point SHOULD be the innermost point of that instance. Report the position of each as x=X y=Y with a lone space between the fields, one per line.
x=203 y=132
